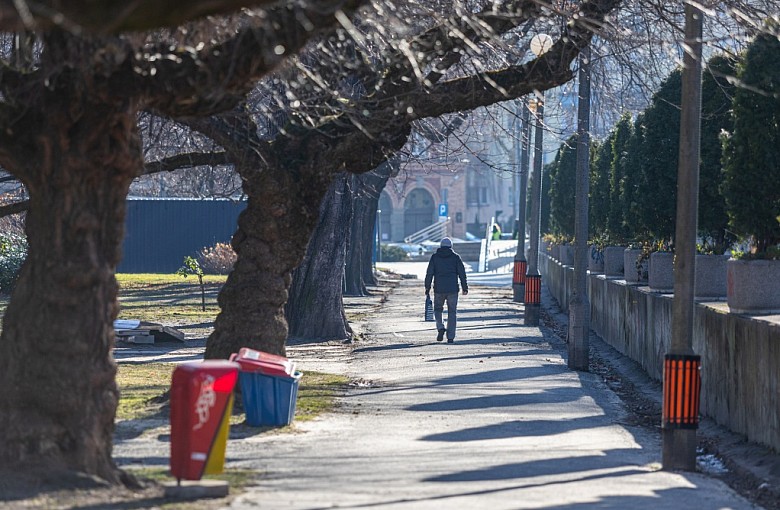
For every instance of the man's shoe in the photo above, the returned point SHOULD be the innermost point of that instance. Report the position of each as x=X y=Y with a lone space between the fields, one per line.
x=450 y=340
x=440 y=336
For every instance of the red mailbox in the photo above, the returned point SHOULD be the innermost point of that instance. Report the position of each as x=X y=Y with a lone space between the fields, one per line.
x=201 y=403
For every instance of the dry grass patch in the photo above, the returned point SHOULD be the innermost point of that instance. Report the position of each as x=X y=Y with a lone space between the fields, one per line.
x=143 y=387
x=140 y=385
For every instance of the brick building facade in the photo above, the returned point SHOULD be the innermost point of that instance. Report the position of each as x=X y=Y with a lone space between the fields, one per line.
x=472 y=193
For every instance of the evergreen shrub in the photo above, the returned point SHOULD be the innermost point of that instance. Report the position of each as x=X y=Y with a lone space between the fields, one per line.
x=13 y=252
x=751 y=152
x=393 y=254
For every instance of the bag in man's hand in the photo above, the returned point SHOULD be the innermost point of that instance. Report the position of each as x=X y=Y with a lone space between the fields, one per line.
x=428 y=309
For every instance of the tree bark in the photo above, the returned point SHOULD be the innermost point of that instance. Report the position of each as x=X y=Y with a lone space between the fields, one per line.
x=59 y=396
x=315 y=309
x=360 y=257
x=285 y=182
x=273 y=232
x=367 y=235
x=359 y=234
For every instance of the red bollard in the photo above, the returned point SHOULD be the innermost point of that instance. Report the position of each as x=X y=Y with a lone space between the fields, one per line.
x=201 y=403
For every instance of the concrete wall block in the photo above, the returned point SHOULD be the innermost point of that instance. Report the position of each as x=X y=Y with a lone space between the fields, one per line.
x=595 y=260
x=631 y=273
x=660 y=275
x=566 y=253
x=711 y=276
x=752 y=286
x=613 y=261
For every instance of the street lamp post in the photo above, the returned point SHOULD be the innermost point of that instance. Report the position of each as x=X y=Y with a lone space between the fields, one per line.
x=540 y=43
x=579 y=306
x=533 y=279
x=521 y=264
x=682 y=380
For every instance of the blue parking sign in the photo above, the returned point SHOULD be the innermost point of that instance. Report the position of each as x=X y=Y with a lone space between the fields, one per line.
x=443 y=210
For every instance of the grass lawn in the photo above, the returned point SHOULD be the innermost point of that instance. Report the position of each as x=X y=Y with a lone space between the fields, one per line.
x=168 y=299
x=142 y=387
x=175 y=301
x=171 y=300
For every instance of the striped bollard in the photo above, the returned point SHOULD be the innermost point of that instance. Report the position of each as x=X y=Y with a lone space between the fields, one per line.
x=533 y=299
x=682 y=387
x=518 y=280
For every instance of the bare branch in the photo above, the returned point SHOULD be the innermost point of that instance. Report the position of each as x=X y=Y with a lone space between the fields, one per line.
x=188 y=160
x=104 y=17
x=14 y=208
x=184 y=82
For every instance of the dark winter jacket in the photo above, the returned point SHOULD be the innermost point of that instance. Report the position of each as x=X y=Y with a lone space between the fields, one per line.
x=444 y=269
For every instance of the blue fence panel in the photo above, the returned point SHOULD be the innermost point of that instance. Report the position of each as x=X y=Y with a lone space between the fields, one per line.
x=160 y=232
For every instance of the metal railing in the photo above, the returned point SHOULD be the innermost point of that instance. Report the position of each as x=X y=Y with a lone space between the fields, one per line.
x=430 y=233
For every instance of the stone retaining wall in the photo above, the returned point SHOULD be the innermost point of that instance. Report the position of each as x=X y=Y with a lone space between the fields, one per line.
x=740 y=354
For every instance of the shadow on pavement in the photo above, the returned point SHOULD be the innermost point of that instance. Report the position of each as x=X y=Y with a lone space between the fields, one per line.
x=528 y=352
x=611 y=460
x=665 y=498
x=519 y=428
x=388 y=347
x=483 y=318
x=551 y=396
x=658 y=499
x=506 y=374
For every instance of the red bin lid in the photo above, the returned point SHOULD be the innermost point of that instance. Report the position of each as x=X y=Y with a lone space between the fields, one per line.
x=264 y=362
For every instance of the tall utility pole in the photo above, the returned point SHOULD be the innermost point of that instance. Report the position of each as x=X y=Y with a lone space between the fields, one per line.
x=533 y=279
x=579 y=306
x=521 y=264
x=682 y=381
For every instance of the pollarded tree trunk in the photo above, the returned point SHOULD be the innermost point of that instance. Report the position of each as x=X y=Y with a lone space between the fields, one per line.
x=360 y=270
x=59 y=396
x=315 y=310
x=271 y=239
x=354 y=282
x=366 y=249
x=285 y=182
x=374 y=183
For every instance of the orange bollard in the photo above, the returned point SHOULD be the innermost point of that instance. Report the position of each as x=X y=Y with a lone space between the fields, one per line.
x=533 y=289
x=682 y=387
x=518 y=277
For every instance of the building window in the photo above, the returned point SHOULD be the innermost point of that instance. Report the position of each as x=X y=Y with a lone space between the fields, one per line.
x=477 y=194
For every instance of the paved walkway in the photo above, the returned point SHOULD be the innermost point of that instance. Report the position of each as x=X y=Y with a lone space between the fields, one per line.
x=494 y=421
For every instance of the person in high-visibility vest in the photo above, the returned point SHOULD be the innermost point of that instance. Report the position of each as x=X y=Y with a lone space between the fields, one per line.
x=444 y=270
x=496 y=232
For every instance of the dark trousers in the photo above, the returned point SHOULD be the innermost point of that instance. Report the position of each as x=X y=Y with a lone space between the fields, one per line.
x=452 y=312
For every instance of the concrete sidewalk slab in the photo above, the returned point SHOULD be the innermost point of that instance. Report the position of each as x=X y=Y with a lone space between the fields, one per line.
x=495 y=420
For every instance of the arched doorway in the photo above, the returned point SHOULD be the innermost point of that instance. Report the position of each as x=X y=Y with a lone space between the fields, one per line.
x=419 y=211
x=384 y=216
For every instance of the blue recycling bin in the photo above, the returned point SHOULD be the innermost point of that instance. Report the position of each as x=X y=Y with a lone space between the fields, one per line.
x=269 y=388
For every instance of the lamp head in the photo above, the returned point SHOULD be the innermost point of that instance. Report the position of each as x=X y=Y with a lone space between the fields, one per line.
x=540 y=44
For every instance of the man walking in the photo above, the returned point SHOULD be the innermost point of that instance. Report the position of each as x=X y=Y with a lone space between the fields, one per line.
x=444 y=270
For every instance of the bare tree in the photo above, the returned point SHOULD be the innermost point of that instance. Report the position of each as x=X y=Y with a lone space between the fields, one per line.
x=379 y=95
x=68 y=111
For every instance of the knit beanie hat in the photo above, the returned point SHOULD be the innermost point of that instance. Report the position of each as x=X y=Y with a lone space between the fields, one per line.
x=446 y=242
